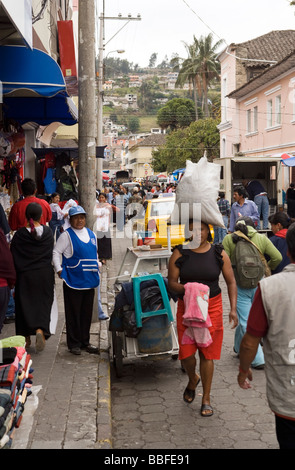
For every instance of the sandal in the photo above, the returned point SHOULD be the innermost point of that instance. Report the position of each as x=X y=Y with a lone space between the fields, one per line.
x=205 y=408
x=189 y=394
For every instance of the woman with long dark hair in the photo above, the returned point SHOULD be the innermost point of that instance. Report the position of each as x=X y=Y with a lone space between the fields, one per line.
x=31 y=248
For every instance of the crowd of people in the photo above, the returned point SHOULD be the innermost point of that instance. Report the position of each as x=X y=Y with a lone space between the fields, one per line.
x=41 y=247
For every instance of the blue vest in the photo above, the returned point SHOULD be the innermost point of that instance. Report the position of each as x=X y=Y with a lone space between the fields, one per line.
x=81 y=271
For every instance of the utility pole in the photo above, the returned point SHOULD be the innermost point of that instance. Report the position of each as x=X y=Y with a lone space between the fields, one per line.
x=87 y=108
x=101 y=47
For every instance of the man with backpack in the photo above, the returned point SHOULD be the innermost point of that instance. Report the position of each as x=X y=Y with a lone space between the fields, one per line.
x=246 y=249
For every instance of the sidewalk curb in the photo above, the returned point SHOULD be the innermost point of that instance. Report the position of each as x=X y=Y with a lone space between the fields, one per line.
x=104 y=417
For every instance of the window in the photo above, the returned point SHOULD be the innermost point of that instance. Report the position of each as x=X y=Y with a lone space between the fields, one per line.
x=223 y=147
x=278 y=114
x=269 y=113
x=255 y=119
x=249 y=128
x=224 y=100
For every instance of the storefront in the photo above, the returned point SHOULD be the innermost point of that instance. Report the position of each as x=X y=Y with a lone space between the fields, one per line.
x=33 y=94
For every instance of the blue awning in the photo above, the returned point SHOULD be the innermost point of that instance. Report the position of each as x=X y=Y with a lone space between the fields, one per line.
x=73 y=152
x=33 y=87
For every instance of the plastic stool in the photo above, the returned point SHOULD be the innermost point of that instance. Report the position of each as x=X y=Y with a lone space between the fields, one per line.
x=139 y=314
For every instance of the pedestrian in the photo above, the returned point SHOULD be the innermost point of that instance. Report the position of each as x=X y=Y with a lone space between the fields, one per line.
x=7 y=276
x=246 y=295
x=290 y=198
x=58 y=216
x=272 y=318
x=4 y=225
x=103 y=212
x=224 y=208
x=17 y=217
x=201 y=263
x=280 y=222
x=101 y=314
x=10 y=312
x=80 y=274
x=257 y=193
x=242 y=207
x=31 y=248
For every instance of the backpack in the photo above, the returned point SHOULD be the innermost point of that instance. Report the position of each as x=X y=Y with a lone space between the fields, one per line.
x=247 y=264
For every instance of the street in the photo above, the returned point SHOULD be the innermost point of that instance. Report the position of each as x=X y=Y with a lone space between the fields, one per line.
x=148 y=411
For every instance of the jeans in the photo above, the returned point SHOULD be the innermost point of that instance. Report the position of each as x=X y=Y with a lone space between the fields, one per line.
x=244 y=302
x=219 y=232
x=263 y=209
x=10 y=312
x=100 y=310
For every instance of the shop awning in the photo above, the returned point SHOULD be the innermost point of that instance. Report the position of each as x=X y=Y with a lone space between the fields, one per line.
x=43 y=111
x=288 y=160
x=73 y=152
x=34 y=88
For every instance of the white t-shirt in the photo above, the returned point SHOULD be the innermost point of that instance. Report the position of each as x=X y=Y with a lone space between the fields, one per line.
x=64 y=246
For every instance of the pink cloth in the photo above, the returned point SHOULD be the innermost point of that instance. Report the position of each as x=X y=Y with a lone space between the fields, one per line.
x=196 y=317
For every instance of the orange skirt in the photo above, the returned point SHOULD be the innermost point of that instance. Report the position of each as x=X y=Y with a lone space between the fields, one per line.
x=216 y=330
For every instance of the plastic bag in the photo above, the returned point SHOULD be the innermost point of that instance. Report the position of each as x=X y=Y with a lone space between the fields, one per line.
x=199 y=184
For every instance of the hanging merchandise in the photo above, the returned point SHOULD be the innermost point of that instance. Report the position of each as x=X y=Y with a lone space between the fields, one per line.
x=48 y=173
x=15 y=386
x=199 y=184
x=12 y=139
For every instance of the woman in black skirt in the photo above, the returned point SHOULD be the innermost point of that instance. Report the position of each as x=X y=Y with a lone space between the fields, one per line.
x=31 y=248
x=103 y=211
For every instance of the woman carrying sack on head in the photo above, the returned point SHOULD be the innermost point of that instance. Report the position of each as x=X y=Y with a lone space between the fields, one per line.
x=245 y=225
x=200 y=262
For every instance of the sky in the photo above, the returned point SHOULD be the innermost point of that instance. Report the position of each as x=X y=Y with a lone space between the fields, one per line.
x=166 y=25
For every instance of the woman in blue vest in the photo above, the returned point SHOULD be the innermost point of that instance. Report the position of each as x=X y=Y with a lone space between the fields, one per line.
x=80 y=273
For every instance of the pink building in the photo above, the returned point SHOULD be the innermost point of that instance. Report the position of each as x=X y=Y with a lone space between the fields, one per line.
x=258 y=112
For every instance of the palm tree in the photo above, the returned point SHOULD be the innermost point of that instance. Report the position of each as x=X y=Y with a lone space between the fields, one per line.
x=208 y=64
x=200 y=68
x=188 y=71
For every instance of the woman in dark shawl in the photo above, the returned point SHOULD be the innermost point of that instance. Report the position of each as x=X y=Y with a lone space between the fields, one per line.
x=7 y=276
x=31 y=248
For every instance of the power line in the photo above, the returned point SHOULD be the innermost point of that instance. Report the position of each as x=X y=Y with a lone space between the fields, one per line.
x=212 y=31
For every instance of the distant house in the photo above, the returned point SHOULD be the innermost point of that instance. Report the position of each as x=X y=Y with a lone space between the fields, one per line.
x=134 y=81
x=258 y=111
x=140 y=155
x=108 y=85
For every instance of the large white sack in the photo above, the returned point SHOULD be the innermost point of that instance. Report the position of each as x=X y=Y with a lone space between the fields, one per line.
x=199 y=184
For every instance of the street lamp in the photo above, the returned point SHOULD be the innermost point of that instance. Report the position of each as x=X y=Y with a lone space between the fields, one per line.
x=100 y=113
x=119 y=51
x=101 y=46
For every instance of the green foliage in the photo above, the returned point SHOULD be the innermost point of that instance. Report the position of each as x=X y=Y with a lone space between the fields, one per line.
x=188 y=143
x=177 y=113
x=133 y=124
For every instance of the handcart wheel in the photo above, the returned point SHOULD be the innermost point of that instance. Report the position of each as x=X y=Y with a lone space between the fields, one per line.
x=117 y=354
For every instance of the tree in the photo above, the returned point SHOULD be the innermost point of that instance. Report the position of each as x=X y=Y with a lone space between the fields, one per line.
x=188 y=143
x=153 y=60
x=133 y=124
x=208 y=64
x=188 y=71
x=200 y=68
x=177 y=113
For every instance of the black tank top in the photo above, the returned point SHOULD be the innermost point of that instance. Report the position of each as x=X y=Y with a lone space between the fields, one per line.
x=204 y=268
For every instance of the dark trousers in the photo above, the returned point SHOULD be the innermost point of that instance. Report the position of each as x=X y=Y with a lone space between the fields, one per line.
x=4 y=299
x=78 y=313
x=285 y=429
